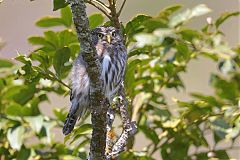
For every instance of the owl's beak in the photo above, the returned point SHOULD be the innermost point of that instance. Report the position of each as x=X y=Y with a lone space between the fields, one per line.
x=109 y=38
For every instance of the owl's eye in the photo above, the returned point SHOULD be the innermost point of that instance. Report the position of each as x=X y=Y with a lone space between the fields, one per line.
x=114 y=34
x=100 y=35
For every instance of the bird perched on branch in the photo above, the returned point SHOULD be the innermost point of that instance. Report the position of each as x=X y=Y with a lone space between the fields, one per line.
x=112 y=54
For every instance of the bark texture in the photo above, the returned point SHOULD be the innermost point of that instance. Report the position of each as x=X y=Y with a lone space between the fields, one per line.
x=99 y=110
x=103 y=146
x=129 y=127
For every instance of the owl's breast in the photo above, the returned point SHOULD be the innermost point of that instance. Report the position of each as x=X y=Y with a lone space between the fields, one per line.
x=100 y=50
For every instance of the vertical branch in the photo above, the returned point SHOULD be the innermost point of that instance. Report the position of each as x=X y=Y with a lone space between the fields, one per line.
x=114 y=15
x=109 y=10
x=99 y=105
x=99 y=110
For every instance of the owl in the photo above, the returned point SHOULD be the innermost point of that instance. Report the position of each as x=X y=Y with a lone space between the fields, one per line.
x=112 y=55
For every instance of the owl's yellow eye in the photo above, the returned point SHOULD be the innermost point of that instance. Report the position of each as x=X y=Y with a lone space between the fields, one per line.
x=114 y=34
x=100 y=35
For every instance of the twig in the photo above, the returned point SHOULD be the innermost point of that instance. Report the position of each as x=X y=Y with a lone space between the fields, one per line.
x=88 y=51
x=101 y=3
x=121 y=8
x=110 y=2
x=114 y=16
x=106 y=12
x=48 y=74
x=129 y=128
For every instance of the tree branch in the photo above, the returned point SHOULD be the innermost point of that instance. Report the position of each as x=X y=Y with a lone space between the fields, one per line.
x=105 y=10
x=121 y=8
x=100 y=122
x=114 y=15
x=129 y=128
x=99 y=111
x=101 y=3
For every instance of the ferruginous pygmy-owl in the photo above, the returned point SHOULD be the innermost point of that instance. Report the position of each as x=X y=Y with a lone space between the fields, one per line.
x=113 y=57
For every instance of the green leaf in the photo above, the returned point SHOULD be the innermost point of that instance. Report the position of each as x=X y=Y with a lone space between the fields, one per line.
x=200 y=10
x=224 y=17
x=66 y=38
x=222 y=154
x=57 y=4
x=201 y=156
x=164 y=32
x=36 y=40
x=50 y=22
x=79 y=146
x=136 y=25
x=35 y=122
x=52 y=38
x=25 y=94
x=83 y=129
x=15 y=109
x=208 y=99
x=95 y=20
x=220 y=127
x=66 y=15
x=130 y=71
x=4 y=151
x=164 y=13
x=41 y=57
x=175 y=149
x=150 y=134
x=24 y=153
x=147 y=39
x=61 y=57
x=188 y=14
x=23 y=59
x=75 y=48
x=190 y=35
x=5 y=63
x=78 y=132
x=60 y=114
x=15 y=137
x=225 y=89
x=227 y=66
x=47 y=126
x=196 y=135
x=20 y=94
x=173 y=123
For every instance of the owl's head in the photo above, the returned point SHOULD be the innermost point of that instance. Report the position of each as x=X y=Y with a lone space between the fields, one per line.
x=106 y=35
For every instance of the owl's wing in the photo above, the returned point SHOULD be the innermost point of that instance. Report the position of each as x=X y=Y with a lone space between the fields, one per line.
x=120 y=68
x=79 y=95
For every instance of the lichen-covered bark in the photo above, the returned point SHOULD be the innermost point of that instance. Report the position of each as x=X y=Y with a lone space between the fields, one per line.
x=100 y=122
x=99 y=110
x=129 y=127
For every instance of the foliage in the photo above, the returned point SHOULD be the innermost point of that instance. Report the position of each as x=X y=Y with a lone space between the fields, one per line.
x=160 y=49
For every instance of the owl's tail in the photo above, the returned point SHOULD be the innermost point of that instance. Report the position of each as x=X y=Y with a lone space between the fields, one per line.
x=69 y=123
x=77 y=110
